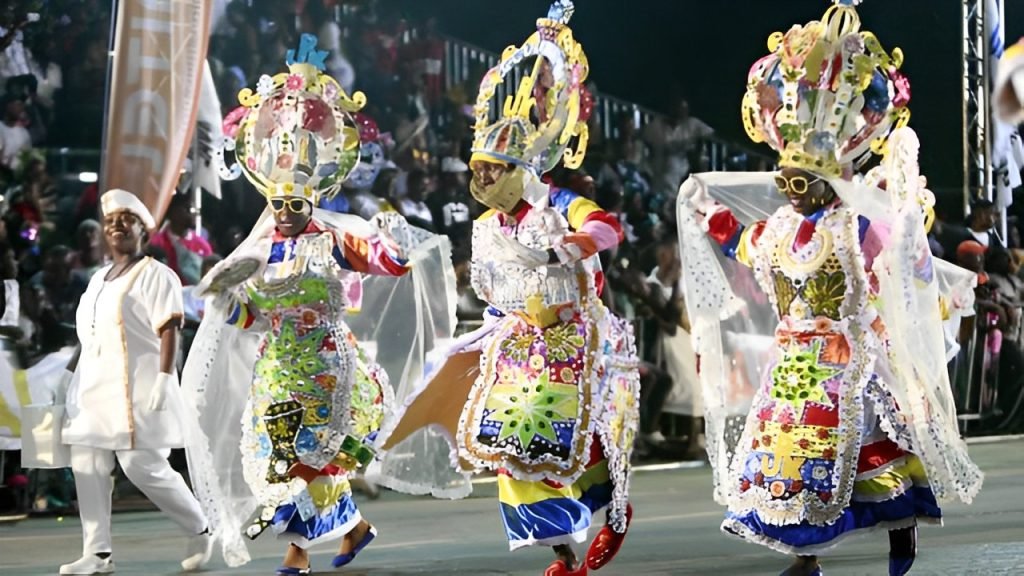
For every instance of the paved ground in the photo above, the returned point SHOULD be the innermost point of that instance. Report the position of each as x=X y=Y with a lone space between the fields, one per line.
x=675 y=531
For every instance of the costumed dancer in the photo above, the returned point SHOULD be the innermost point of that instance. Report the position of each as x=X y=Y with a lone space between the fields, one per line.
x=853 y=426
x=283 y=390
x=123 y=400
x=1008 y=93
x=546 y=392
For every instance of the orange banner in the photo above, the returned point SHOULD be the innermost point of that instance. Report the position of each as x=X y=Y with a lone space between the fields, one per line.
x=159 y=50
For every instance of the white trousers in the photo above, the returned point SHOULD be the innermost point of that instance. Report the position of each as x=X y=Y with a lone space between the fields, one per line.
x=149 y=470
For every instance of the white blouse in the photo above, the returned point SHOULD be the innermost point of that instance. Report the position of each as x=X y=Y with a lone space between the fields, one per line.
x=118 y=325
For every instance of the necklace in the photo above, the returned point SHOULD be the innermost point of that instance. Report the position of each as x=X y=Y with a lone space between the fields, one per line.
x=111 y=276
x=805 y=265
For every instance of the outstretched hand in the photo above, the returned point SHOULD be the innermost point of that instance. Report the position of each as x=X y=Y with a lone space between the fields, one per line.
x=511 y=250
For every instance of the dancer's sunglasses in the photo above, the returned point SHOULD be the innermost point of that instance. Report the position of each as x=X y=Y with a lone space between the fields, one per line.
x=296 y=205
x=796 y=184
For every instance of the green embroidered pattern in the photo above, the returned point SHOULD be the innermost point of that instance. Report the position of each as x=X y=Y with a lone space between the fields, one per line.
x=309 y=290
x=798 y=377
x=517 y=346
x=785 y=293
x=290 y=363
x=526 y=409
x=563 y=341
x=824 y=293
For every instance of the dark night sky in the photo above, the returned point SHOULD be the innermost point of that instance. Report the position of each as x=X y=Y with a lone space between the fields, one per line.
x=639 y=49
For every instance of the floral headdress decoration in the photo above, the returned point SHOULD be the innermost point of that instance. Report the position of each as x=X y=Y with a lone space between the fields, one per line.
x=828 y=95
x=296 y=135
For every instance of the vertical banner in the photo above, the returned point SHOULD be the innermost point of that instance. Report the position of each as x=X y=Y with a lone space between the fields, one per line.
x=157 y=70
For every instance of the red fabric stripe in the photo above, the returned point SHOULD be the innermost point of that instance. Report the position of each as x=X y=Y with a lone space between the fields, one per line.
x=249 y=318
x=876 y=455
x=609 y=219
x=722 y=226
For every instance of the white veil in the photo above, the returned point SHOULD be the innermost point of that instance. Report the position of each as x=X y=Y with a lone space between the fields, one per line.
x=401 y=320
x=732 y=323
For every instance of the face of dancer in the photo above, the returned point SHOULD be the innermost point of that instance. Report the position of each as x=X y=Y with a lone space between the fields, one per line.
x=496 y=185
x=807 y=193
x=485 y=174
x=124 y=232
x=291 y=215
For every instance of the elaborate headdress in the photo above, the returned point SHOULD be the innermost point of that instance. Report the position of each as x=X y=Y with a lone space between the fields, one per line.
x=827 y=94
x=294 y=136
x=536 y=124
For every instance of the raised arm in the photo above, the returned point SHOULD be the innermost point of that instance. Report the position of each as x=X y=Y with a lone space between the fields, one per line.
x=377 y=255
x=593 y=229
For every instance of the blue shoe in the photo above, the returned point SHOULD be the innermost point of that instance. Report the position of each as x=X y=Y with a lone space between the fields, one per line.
x=343 y=559
x=289 y=571
x=900 y=566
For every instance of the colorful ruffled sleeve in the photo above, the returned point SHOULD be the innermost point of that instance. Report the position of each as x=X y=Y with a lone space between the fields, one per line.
x=594 y=229
x=736 y=240
x=377 y=255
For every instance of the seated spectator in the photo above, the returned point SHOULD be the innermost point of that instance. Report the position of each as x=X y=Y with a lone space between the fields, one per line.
x=10 y=306
x=14 y=138
x=183 y=248
x=414 y=206
x=36 y=118
x=61 y=288
x=980 y=227
x=450 y=202
x=88 y=255
x=1008 y=292
x=368 y=203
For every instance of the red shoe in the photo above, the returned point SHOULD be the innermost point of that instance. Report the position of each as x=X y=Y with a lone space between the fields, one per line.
x=559 y=568
x=607 y=543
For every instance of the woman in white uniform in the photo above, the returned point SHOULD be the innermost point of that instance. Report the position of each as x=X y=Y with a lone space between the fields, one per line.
x=123 y=399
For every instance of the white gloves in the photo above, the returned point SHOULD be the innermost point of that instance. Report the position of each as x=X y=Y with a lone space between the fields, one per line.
x=697 y=195
x=161 y=390
x=60 y=393
x=511 y=250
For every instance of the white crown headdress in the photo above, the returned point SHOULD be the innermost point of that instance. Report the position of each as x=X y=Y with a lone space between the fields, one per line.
x=827 y=95
x=294 y=136
x=536 y=125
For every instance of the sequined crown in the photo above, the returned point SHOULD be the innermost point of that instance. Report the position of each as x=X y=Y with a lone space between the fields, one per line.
x=828 y=94
x=536 y=126
x=295 y=135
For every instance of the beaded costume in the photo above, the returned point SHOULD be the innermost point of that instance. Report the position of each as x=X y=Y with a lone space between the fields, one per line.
x=546 y=392
x=312 y=397
x=852 y=425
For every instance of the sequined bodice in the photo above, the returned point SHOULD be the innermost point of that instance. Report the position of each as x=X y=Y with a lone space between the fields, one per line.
x=301 y=281
x=812 y=280
x=506 y=284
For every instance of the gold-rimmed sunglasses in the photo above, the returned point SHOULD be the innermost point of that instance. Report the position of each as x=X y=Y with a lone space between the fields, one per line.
x=795 y=184
x=295 y=205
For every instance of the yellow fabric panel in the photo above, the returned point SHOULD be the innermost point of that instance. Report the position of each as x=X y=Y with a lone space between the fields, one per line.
x=327 y=490
x=743 y=255
x=518 y=492
x=892 y=479
x=579 y=209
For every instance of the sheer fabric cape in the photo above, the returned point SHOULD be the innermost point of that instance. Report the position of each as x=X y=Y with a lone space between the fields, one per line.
x=401 y=319
x=733 y=324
